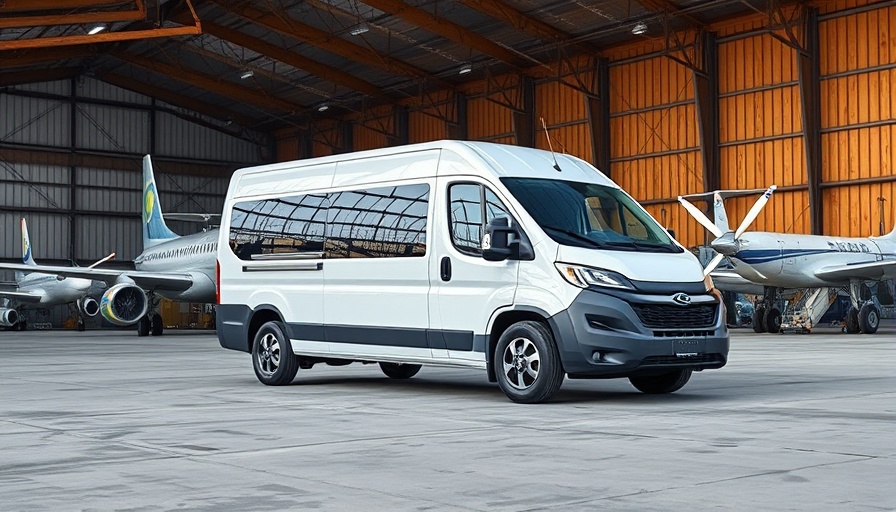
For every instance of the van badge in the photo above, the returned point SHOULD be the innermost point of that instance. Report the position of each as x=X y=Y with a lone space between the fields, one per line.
x=682 y=298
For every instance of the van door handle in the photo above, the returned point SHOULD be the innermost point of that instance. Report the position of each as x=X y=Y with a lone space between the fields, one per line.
x=446 y=268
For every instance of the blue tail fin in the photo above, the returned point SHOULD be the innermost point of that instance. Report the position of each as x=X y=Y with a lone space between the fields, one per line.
x=27 y=257
x=154 y=228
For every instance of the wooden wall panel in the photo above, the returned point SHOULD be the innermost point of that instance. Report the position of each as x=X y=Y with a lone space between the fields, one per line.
x=288 y=147
x=661 y=177
x=786 y=212
x=573 y=139
x=424 y=128
x=845 y=218
x=489 y=121
x=558 y=103
x=367 y=138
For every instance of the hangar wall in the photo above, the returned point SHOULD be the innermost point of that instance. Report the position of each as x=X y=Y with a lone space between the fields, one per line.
x=70 y=163
x=655 y=142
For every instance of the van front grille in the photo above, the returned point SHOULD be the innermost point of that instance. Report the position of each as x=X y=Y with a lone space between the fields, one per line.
x=668 y=316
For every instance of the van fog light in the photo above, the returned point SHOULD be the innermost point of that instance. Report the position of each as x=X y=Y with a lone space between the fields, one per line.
x=596 y=356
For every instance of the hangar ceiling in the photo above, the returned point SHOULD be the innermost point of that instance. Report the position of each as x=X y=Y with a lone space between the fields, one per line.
x=272 y=64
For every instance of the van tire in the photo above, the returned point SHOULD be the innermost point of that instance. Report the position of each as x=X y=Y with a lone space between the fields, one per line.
x=661 y=384
x=518 y=347
x=400 y=371
x=274 y=362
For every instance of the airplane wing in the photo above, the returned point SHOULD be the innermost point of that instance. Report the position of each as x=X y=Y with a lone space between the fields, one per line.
x=885 y=269
x=729 y=280
x=20 y=296
x=146 y=280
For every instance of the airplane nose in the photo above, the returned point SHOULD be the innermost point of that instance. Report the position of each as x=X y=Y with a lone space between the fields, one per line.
x=725 y=244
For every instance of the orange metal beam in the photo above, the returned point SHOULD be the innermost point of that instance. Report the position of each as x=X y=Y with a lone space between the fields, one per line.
x=47 y=42
x=71 y=19
x=334 y=75
x=322 y=39
x=40 y=75
x=46 y=5
x=215 y=85
x=174 y=98
x=27 y=58
x=448 y=29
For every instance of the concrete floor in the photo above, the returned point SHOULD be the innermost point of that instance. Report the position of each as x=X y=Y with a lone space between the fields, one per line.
x=107 y=421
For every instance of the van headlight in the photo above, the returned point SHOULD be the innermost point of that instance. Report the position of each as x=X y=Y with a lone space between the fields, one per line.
x=585 y=277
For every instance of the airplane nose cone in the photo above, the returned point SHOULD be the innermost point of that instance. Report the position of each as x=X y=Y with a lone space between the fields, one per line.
x=725 y=244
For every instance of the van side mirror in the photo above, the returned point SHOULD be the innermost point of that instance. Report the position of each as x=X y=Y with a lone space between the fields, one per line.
x=496 y=244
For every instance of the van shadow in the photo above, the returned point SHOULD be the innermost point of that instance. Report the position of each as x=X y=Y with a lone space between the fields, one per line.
x=572 y=392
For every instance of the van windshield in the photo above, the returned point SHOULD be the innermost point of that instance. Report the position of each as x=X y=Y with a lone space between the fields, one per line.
x=589 y=215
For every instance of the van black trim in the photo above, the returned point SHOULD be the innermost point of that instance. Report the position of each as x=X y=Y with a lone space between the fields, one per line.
x=384 y=336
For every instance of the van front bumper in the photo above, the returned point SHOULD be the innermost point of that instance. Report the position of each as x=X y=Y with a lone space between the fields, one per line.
x=619 y=333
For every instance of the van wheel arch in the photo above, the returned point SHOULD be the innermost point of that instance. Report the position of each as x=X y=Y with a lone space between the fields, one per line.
x=261 y=316
x=502 y=322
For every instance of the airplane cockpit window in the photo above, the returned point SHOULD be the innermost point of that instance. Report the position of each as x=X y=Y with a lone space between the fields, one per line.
x=590 y=215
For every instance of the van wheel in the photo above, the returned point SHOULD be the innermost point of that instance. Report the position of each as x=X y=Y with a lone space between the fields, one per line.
x=527 y=363
x=400 y=371
x=272 y=357
x=661 y=384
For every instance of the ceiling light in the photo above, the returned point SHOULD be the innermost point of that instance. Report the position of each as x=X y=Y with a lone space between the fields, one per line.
x=466 y=68
x=247 y=74
x=96 y=29
x=640 y=28
x=360 y=29
x=323 y=107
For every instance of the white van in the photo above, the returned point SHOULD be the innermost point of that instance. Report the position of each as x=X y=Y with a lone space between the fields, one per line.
x=529 y=265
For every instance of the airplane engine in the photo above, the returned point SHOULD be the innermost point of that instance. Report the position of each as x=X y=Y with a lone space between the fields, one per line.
x=8 y=317
x=89 y=306
x=123 y=304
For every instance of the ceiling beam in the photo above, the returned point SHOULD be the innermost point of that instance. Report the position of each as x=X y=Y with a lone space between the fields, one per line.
x=176 y=99
x=28 y=58
x=667 y=7
x=329 y=73
x=322 y=39
x=71 y=19
x=46 y=5
x=448 y=30
x=107 y=37
x=215 y=84
x=39 y=75
x=522 y=22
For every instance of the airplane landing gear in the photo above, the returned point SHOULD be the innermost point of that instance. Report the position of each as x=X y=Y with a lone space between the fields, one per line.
x=143 y=326
x=759 y=320
x=772 y=320
x=869 y=318
x=767 y=317
x=151 y=323
x=864 y=315
x=852 y=321
x=157 y=324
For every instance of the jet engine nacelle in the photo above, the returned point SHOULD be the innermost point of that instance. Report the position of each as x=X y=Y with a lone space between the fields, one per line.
x=89 y=306
x=123 y=304
x=8 y=317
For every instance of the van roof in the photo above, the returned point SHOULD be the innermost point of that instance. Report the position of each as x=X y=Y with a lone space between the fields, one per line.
x=500 y=160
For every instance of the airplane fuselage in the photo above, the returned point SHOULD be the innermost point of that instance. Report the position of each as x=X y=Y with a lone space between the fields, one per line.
x=192 y=254
x=788 y=260
x=52 y=290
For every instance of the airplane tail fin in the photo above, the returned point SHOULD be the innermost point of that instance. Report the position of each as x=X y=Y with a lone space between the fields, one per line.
x=154 y=228
x=721 y=216
x=27 y=257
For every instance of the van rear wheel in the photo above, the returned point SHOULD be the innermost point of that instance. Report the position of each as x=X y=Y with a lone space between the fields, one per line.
x=400 y=371
x=272 y=356
x=664 y=383
x=527 y=364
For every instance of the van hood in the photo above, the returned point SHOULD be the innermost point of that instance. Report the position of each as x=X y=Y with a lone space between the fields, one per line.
x=661 y=267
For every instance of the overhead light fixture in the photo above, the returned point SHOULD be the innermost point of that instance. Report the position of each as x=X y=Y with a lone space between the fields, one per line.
x=466 y=68
x=639 y=28
x=360 y=29
x=323 y=107
x=96 y=29
x=247 y=74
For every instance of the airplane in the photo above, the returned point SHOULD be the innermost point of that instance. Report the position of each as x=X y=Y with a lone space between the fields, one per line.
x=36 y=288
x=180 y=268
x=786 y=261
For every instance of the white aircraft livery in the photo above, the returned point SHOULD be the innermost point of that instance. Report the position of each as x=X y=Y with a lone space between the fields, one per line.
x=783 y=260
x=33 y=289
x=180 y=268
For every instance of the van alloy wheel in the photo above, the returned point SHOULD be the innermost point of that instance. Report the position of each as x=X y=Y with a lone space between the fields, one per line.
x=268 y=354
x=521 y=363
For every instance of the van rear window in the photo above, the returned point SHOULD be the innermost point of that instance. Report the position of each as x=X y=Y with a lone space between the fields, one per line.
x=378 y=222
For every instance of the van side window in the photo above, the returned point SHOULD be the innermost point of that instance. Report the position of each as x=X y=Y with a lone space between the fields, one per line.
x=469 y=204
x=293 y=224
x=378 y=222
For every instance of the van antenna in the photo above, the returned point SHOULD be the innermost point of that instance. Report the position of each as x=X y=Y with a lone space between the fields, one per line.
x=551 y=146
